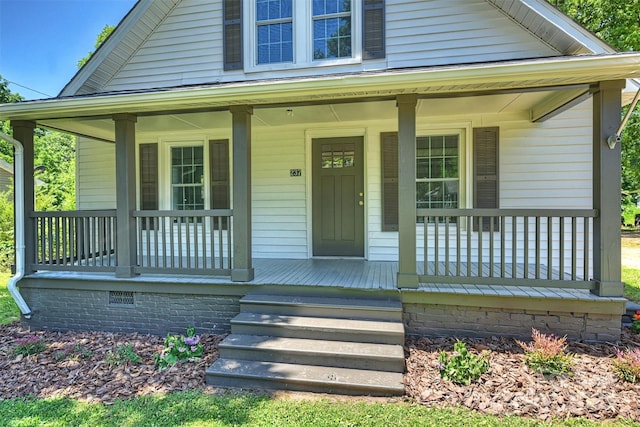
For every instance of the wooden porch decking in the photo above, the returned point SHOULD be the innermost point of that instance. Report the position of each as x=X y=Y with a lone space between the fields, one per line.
x=354 y=274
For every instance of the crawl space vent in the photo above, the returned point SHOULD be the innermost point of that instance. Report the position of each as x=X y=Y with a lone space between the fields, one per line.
x=120 y=298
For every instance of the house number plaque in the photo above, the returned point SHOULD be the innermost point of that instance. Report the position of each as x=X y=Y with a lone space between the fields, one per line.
x=295 y=172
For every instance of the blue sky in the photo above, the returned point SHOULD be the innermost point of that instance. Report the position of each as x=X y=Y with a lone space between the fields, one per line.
x=42 y=40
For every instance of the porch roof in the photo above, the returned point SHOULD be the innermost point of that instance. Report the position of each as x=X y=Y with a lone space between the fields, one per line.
x=485 y=78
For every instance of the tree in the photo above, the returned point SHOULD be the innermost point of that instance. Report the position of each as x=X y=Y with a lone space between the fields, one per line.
x=617 y=22
x=6 y=149
x=104 y=34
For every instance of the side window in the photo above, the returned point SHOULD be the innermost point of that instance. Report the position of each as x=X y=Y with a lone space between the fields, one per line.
x=331 y=29
x=274 y=21
x=187 y=178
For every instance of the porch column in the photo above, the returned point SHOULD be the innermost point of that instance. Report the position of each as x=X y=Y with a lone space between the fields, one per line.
x=242 y=263
x=23 y=132
x=606 y=189
x=125 y=127
x=407 y=274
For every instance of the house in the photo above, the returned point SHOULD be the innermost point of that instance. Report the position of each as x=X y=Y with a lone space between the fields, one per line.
x=453 y=162
x=6 y=176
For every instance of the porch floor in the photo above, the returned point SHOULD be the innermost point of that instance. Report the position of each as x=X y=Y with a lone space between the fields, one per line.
x=357 y=274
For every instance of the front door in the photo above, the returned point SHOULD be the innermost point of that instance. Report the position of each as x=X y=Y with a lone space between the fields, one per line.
x=338 y=197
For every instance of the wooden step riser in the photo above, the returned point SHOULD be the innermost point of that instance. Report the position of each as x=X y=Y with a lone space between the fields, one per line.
x=375 y=337
x=337 y=312
x=301 y=358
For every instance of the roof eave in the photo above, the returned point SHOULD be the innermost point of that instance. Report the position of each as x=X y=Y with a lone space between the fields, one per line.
x=514 y=74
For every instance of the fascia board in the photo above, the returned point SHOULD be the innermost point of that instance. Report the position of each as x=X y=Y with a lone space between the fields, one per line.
x=521 y=74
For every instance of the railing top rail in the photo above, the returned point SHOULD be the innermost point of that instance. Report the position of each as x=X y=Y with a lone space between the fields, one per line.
x=543 y=213
x=73 y=214
x=184 y=214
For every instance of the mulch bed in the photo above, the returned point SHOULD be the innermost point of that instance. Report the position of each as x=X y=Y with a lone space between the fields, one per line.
x=75 y=365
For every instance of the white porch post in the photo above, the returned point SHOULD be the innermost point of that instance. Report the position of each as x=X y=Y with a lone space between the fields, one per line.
x=125 y=129
x=407 y=274
x=606 y=189
x=23 y=132
x=242 y=270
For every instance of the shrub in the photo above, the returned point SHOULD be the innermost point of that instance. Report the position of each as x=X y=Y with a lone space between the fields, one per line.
x=627 y=365
x=635 y=323
x=546 y=354
x=124 y=355
x=462 y=367
x=179 y=348
x=29 y=345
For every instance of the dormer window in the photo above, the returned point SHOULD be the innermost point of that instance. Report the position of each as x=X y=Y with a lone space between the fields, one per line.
x=267 y=35
x=331 y=29
x=274 y=21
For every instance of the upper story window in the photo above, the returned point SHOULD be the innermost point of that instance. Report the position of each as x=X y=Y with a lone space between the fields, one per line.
x=274 y=21
x=331 y=29
x=265 y=35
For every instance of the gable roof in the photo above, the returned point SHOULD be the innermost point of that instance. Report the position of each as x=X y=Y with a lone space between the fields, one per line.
x=538 y=17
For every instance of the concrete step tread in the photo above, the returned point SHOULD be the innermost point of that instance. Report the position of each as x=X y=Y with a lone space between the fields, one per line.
x=318 y=301
x=309 y=374
x=317 y=347
x=319 y=323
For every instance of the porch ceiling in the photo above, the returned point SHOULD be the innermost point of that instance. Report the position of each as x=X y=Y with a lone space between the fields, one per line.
x=518 y=105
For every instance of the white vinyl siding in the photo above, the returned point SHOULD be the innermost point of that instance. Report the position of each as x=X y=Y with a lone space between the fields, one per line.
x=186 y=47
x=96 y=174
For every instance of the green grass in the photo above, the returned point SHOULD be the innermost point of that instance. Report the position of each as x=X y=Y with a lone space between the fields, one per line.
x=233 y=409
x=8 y=310
x=631 y=279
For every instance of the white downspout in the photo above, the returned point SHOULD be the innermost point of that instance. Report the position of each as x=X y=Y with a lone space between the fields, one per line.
x=18 y=195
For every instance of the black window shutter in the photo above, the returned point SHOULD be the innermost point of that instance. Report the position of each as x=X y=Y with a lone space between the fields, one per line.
x=389 y=155
x=373 y=37
x=485 y=172
x=232 y=41
x=219 y=175
x=149 y=176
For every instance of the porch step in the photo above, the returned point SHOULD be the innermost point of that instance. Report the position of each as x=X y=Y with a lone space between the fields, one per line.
x=318 y=344
x=355 y=355
x=313 y=306
x=320 y=328
x=287 y=376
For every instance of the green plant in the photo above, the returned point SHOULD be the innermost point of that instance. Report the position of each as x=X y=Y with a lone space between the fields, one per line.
x=73 y=351
x=462 y=367
x=627 y=365
x=28 y=345
x=546 y=354
x=179 y=348
x=635 y=323
x=124 y=355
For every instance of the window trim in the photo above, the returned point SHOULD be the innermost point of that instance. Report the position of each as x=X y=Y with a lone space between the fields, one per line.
x=302 y=39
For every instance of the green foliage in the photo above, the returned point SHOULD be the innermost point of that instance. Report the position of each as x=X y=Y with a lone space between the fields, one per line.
x=179 y=348
x=56 y=170
x=462 y=367
x=6 y=231
x=29 y=345
x=9 y=311
x=124 y=355
x=73 y=351
x=627 y=365
x=629 y=210
x=104 y=34
x=635 y=323
x=546 y=354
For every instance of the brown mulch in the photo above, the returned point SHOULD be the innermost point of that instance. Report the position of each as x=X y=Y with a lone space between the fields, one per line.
x=75 y=365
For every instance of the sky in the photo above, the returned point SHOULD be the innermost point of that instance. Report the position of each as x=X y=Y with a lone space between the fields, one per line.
x=41 y=41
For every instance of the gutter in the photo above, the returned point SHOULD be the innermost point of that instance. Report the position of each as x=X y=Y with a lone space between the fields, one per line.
x=18 y=196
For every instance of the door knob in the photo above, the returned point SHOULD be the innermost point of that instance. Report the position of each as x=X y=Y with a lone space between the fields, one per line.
x=360 y=203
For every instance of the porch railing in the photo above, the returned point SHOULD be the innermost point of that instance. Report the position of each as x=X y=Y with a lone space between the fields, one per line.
x=75 y=240
x=184 y=242
x=531 y=247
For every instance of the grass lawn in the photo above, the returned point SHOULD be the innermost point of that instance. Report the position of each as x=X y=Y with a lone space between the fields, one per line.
x=8 y=310
x=232 y=409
